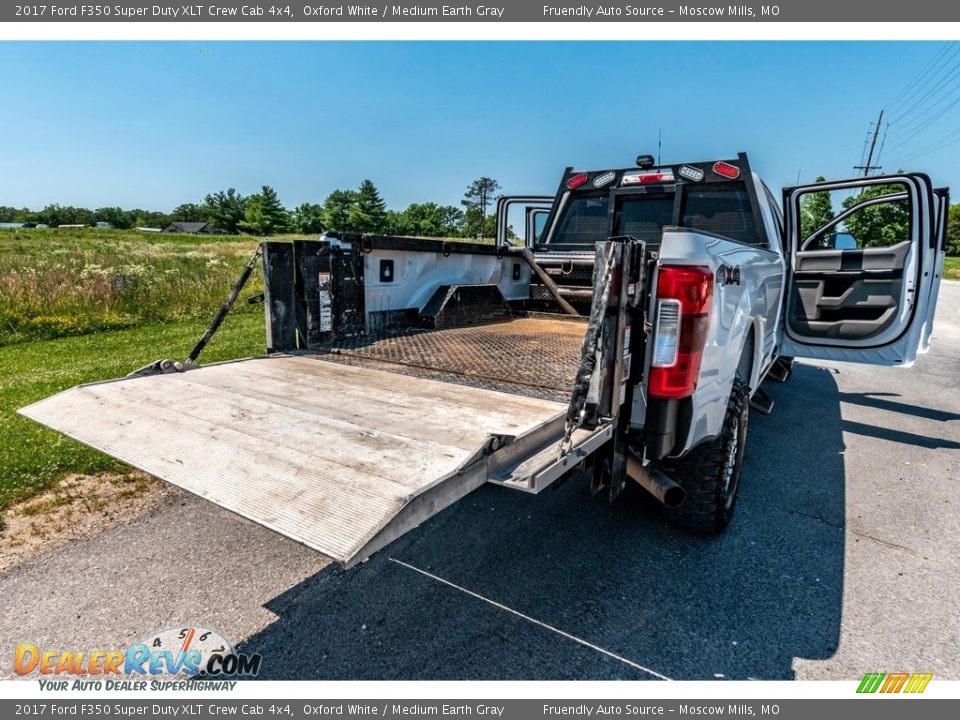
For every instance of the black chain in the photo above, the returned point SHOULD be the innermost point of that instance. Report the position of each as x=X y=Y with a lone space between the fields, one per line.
x=576 y=412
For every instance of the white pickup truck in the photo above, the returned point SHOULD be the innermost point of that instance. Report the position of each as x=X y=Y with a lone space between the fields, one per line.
x=624 y=337
x=738 y=289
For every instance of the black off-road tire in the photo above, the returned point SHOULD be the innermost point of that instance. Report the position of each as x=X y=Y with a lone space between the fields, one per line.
x=710 y=473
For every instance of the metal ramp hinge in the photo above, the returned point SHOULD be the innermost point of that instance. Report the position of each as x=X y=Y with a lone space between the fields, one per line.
x=160 y=367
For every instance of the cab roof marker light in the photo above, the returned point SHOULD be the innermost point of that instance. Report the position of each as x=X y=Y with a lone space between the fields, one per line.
x=647 y=178
x=691 y=173
x=726 y=170
x=576 y=181
x=600 y=180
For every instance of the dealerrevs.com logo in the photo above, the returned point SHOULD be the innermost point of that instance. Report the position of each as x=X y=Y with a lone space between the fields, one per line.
x=898 y=682
x=182 y=656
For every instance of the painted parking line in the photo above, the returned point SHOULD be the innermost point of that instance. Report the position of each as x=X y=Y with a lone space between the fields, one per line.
x=538 y=623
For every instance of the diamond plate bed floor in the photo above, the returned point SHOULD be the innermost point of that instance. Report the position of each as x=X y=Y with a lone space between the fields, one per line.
x=534 y=356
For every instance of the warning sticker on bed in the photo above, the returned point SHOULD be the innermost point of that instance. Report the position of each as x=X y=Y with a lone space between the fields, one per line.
x=326 y=302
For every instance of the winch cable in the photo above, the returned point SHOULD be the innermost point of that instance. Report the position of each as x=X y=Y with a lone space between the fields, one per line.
x=160 y=367
x=576 y=412
x=226 y=307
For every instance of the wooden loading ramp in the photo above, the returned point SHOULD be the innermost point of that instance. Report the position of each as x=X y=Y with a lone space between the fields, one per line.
x=343 y=459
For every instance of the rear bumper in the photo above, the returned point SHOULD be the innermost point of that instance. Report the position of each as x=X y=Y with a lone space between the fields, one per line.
x=663 y=427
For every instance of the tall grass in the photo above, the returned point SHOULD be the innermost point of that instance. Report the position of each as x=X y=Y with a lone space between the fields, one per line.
x=56 y=283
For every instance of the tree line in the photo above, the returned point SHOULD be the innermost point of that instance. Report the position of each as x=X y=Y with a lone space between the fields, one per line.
x=362 y=210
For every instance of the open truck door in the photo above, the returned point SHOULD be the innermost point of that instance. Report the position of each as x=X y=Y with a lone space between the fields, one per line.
x=941 y=201
x=863 y=263
x=535 y=209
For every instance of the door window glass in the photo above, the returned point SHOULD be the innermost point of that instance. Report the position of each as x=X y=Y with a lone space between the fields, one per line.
x=876 y=216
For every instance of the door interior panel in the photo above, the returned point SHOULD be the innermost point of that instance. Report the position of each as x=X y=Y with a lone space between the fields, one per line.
x=847 y=294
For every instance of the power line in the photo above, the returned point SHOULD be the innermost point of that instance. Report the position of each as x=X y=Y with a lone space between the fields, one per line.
x=918 y=87
x=928 y=124
x=919 y=83
x=899 y=98
x=930 y=103
x=934 y=93
x=945 y=141
x=932 y=150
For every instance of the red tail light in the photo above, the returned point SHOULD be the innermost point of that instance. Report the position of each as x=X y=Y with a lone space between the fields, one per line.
x=678 y=347
x=726 y=170
x=576 y=181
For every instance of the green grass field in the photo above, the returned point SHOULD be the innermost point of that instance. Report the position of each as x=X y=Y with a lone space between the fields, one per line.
x=951 y=270
x=57 y=283
x=87 y=305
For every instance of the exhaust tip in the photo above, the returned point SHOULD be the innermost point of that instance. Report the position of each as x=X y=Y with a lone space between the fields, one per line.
x=673 y=497
x=655 y=482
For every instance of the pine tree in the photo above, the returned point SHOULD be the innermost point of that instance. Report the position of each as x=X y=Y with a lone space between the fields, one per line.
x=335 y=211
x=224 y=210
x=368 y=213
x=264 y=214
x=308 y=219
x=479 y=196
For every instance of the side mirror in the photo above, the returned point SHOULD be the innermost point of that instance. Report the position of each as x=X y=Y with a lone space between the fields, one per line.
x=845 y=241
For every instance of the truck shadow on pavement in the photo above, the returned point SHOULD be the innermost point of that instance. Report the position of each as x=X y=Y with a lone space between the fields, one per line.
x=589 y=590
x=878 y=401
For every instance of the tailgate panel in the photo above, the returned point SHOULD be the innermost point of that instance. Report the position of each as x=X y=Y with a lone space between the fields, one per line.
x=340 y=458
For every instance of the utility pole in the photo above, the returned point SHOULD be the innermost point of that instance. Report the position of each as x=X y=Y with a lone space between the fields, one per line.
x=873 y=143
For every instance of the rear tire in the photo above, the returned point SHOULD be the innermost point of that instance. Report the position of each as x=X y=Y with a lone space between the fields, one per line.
x=710 y=473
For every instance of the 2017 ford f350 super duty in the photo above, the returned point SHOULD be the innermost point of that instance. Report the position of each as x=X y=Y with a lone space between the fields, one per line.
x=624 y=336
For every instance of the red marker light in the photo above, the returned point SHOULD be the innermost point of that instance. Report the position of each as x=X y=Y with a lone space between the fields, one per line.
x=726 y=170
x=576 y=181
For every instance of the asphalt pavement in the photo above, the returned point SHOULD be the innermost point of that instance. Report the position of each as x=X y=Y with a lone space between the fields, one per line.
x=841 y=560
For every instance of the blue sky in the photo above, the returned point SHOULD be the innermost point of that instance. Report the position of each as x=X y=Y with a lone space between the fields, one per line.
x=153 y=125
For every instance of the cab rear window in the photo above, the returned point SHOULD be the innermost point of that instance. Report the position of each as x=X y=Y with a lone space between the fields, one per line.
x=644 y=217
x=719 y=208
x=584 y=221
x=722 y=209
